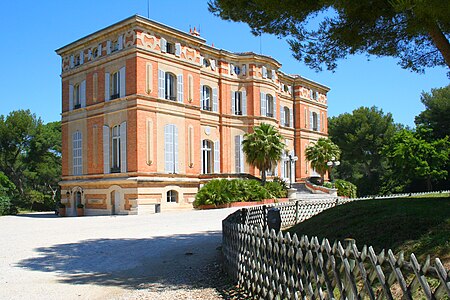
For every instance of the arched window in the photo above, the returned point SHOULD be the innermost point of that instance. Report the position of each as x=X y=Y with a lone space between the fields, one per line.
x=207 y=157
x=172 y=196
x=206 y=98
x=270 y=110
x=171 y=86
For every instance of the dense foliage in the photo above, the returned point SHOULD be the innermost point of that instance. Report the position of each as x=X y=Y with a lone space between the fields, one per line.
x=30 y=157
x=222 y=191
x=321 y=152
x=361 y=135
x=321 y=32
x=263 y=148
x=345 y=188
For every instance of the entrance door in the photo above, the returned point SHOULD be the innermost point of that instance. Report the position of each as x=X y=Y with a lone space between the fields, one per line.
x=115 y=203
x=77 y=200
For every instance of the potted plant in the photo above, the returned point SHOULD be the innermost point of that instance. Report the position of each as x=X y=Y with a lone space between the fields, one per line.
x=80 y=209
x=61 y=210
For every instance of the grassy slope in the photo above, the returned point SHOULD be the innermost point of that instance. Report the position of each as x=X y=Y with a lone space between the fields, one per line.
x=418 y=225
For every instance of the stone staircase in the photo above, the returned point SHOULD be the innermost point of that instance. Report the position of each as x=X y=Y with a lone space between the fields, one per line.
x=304 y=194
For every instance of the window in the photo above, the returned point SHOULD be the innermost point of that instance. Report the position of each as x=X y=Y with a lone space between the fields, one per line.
x=285 y=88
x=172 y=196
x=206 y=157
x=239 y=154
x=171 y=84
x=315 y=121
x=77 y=60
x=287 y=116
x=171 y=148
x=76 y=96
x=269 y=74
x=96 y=52
x=206 y=98
x=115 y=149
x=115 y=85
x=313 y=94
x=115 y=46
x=170 y=48
x=237 y=70
x=270 y=105
x=77 y=156
x=206 y=62
x=285 y=165
x=239 y=103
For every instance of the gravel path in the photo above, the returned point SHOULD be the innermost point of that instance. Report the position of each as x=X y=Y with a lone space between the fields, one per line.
x=172 y=255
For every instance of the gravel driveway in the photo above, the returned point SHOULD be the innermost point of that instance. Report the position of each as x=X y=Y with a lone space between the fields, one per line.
x=162 y=256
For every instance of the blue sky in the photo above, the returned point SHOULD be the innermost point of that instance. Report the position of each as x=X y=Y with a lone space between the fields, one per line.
x=32 y=30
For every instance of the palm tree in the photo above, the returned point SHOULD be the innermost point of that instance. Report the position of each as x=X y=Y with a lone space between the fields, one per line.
x=323 y=151
x=263 y=148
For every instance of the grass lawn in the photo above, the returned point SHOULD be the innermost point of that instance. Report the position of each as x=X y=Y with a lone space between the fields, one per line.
x=418 y=225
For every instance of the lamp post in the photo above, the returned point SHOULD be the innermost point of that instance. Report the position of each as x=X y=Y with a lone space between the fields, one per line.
x=290 y=158
x=332 y=163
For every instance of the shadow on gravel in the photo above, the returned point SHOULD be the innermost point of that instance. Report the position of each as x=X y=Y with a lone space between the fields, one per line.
x=175 y=261
x=39 y=215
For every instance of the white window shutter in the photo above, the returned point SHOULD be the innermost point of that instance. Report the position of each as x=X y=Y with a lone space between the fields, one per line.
x=120 y=42
x=231 y=69
x=275 y=106
x=274 y=75
x=233 y=102
x=276 y=170
x=70 y=97
x=318 y=121
x=175 y=148
x=216 y=157
x=215 y=102
x=311 y=120
x=263 y=104
x=90 y=54
x=291 y=117
x=161 y=84
x=81 y=57
x=241 y=154
x=264 y=72
x=201 y=157
x=202 y=59
x=177 y=49
x=123 y=147
x=108 y=47
x=168 y=148
x=180 y=86
x=202 y=97
x=213 y=64
x=72 y=61
x=163 y=45
x=282 y=167
x=237 y=153
x=106 y=167
x=244 y=70
x=99 y=50
x=290 y=89
x=244 y=102
x=107 y=87
x=83 y=93
x=122 y=91
x=282 y=117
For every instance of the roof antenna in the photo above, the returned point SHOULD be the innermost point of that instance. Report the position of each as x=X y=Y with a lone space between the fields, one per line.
x=148 y=9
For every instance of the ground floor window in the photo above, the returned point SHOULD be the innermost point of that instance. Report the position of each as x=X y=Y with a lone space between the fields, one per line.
x=172 y=196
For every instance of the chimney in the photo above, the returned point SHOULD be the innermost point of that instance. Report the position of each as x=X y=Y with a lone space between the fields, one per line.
x=194 y=32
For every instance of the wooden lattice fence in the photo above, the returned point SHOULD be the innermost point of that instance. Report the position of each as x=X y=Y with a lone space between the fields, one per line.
x=270 y=265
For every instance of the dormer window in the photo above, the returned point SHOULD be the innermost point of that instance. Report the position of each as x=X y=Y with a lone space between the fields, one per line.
x=313 y=94
x=206 y=63
x=170 y=48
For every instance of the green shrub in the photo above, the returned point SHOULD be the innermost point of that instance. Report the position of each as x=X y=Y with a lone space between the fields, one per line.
x=6 y=208
x=328 y=185
x=222 y=191
x=345 y=188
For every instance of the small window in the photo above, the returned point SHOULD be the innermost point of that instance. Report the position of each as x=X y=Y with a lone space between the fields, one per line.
x=170 y=48
x=171 y=87
x=269 y=74
x=172 y=196
x=115 y=85
x=287 y=116
x=286 y=88
x=313 y=94
x=206 y=104
x=206 y=63
x=115 y=46
x=77 y=60
x=95 y=52
x=238 y=103
x=315 y=120
x=237 y=70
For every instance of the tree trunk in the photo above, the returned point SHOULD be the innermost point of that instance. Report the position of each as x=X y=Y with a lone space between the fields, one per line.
x=440 y=41
x=263 y=177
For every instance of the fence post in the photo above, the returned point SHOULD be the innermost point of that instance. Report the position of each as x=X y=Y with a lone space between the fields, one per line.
x=297 y=213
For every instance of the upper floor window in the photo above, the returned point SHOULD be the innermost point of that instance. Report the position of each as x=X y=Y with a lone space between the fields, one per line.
x=268 y=105
x=206 y=98
x=77 y=95
x=115 y=85
x=96 y=52
x=77 y=60
x=286 y=116
x=172 y=196
x=115 y=148
x=239 y=103
x=313 y=94
x=206 y=63
x=314 y=121
x=170 y=86
x=237 y=70
x=77 y=156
